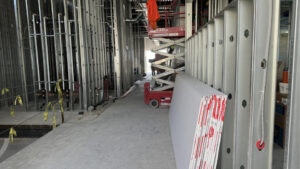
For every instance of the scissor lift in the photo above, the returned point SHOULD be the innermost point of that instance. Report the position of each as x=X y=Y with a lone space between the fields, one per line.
x=172 y=62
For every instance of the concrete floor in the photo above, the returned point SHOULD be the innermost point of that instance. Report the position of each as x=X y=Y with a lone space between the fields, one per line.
x=128 y=135
x=16 y=146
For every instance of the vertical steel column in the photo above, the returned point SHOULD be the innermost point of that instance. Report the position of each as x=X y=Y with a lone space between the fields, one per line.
x=186 y=50
x=54 y=27
x=2 y=61
x=209 y=9
x=264 y=63
x=292 y=152
x=83 y=55
x=88 y=30
x=36 y=51
x=61 y=51
x=225 y=3
x=204 y=55
x=77 y=50
x=103 y=23
x=117 y=51
x=218 y=53
x=94 y=51
x=193 y=56
x=21 y=50
x=68 y=39
x=103 y=32
x=187 y=56
x=46 y=84
x=139 y=53
x=6 y=52
x=220 y=5
x=188 y=19
x=210 y=54
x=32 y=55
x=45 y=39
x=243 y=82
x=196 y=16
x=200 y=46
x=196 y=48
x=190 y=55
x=99 y=75
x=230 y=36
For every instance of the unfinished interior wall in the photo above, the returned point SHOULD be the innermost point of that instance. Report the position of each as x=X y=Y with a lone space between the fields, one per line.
x=11 y=69
x=244 y=34
x=65 y=43
x=131 y=45
x=44 y=41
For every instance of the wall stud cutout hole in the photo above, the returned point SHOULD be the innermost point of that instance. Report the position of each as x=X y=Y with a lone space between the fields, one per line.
x=228 y=150
x=242 y=167
x=231 y=38
x=244 y=103
x=246 y=33
x=263 y=64
x=230 y=96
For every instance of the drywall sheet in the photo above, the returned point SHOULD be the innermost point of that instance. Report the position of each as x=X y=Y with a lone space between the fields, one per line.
x=188 y=98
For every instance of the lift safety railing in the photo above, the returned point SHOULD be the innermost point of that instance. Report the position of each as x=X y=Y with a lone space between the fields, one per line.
x=235 y=52
x=166 y=84
x=170 y=37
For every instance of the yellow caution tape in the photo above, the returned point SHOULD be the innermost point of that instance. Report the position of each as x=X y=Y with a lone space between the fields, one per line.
x=54 y=117
x=46 y=111
x=58 y=89
x=5 y=90
x=12 y=133
x=60 y=102
x=12 y=111
x=18 y=100
x=61 y=105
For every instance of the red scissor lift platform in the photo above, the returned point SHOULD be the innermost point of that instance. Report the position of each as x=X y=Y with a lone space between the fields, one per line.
x=169 y=36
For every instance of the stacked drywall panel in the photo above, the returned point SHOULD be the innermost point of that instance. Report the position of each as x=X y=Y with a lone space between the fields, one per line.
x=197 y=112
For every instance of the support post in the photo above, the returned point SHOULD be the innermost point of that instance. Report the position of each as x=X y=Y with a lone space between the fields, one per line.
x=21 y=51
x=264 y=64
x=229 y=63
x=292 y=152
x=243 y=82
x=117 y=51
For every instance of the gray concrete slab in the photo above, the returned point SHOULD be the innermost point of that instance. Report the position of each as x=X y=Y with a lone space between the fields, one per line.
x=16 y=146
x=127 y=135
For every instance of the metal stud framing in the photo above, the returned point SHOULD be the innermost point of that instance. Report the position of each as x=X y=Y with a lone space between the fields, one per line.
x=66 y=40
x=230 y=36
x=264 y=62
x=240 y=60
x=293 y=136
x=243 y=81
x=204 y=55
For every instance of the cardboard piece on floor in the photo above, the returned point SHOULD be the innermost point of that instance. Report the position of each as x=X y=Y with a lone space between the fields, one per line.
x=196 y=124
